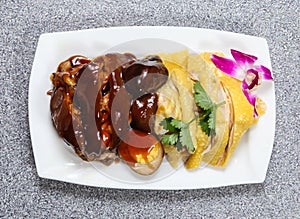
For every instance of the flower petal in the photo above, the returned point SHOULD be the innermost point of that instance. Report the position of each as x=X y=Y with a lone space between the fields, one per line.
x=255 y=80
x=243 y=59
x=265 y=72
x=250 y=97
x=228 y=66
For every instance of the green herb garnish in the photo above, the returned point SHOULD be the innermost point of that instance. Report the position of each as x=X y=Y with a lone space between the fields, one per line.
x=178 y=133
x=208 y=109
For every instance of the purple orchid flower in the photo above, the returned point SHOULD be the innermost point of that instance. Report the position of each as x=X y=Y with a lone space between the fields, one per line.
x=243 y=68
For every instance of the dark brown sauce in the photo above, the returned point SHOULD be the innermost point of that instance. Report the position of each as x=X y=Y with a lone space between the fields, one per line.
x=61 y=101
x=84 y=100
x=145 y=76
x=112 y=86
x=126 y=83
x=82 y=97
x=124 y=153
x=143 y=111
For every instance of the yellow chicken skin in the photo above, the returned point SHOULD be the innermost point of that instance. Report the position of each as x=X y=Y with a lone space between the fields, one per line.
x=200 y=71
x=242 y=114
x=176 y=100
x=176 y=96
x=179 y=58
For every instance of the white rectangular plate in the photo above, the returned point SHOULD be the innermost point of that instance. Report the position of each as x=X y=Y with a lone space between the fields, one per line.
x=55 y=160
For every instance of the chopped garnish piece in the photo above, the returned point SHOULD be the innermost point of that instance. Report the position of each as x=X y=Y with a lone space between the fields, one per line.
x=208 y=109
x=178 y=134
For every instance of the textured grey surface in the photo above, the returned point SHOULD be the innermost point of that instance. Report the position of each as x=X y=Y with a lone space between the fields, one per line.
x=23 y=193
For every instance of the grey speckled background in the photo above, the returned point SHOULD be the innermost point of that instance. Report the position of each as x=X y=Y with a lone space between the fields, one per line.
x=23 y=193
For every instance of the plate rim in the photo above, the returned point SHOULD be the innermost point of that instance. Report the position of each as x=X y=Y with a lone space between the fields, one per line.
x=119 y=28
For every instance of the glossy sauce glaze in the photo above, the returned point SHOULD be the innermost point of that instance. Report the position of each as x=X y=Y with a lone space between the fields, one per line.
x=143 y=111
x=145 y=76
x=142 y=79
x=137 y=146
x=82 y=97
x=64 y=82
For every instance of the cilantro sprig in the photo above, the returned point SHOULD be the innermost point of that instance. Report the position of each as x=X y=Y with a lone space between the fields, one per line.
x=178 y=133
x=207 y=110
